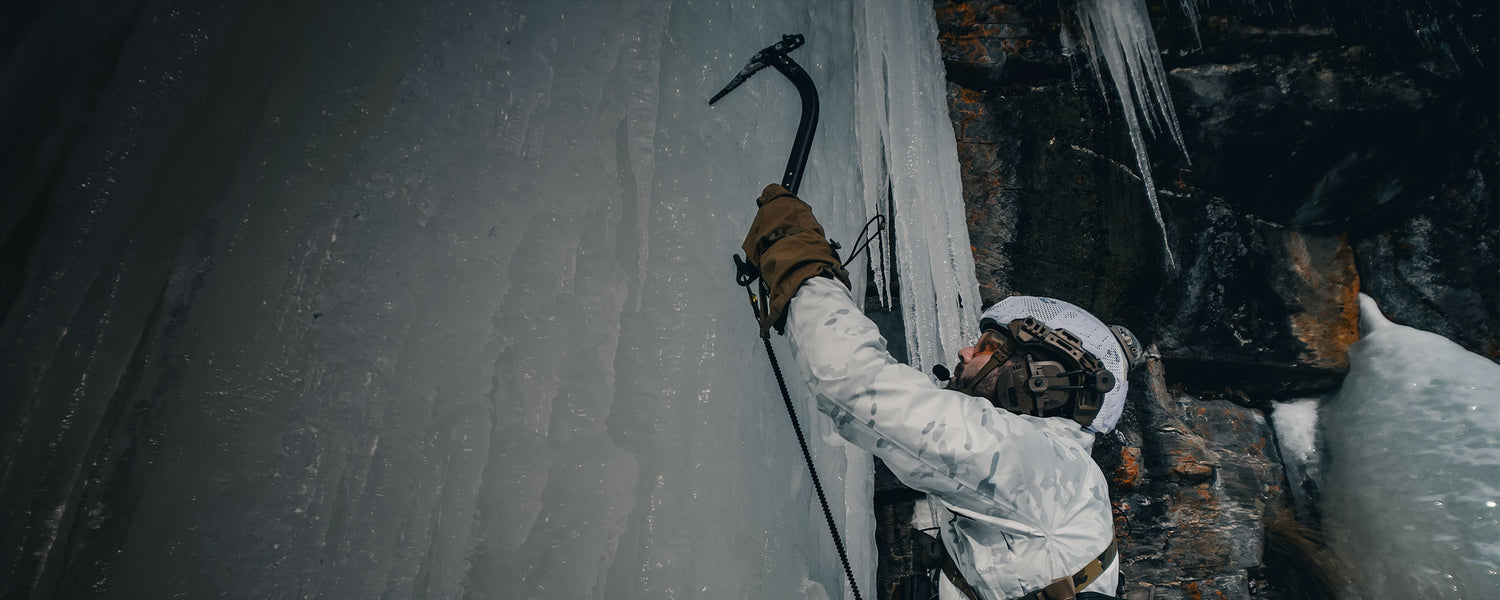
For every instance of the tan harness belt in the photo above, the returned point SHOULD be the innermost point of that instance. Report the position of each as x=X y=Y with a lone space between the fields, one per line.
x=1064 y=588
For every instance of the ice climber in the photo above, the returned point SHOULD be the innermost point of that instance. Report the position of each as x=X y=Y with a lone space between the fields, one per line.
x=1003 y=450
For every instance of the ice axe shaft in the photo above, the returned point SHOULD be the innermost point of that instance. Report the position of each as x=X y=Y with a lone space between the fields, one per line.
x=775 y=55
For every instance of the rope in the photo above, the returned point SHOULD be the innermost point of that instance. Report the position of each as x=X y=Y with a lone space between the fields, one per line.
x=791 y=412
x=838 y=542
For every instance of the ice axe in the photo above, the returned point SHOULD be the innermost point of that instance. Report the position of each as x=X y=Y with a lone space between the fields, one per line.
x=775 y=55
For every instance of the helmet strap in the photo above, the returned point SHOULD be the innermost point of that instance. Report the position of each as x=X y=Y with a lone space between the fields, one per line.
x=996 y=359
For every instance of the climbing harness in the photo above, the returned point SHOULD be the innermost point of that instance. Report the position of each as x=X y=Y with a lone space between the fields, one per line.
x=930 y=557
x=747 y=274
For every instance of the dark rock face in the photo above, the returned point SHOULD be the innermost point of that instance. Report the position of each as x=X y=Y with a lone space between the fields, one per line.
x=1262 y=308
x=1193 y=481
x=1439 y=268
x=1393 y=156
x=1344 y=149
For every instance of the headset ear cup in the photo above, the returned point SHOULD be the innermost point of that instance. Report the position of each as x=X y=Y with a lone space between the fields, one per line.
x=1104 y=381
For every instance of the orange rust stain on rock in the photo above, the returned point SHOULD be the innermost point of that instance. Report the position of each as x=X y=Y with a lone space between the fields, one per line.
x=966 y=115
x=1128 y=475
x=1188 y=466
x=1121 y=521
x=1016 y=45
x=1192 y=591
x=973 y=96
x=963 y=48
x=999 y=10
x=975 y=51
x=954 y=14
x=1259 y=446
x=1329 y=296
x=965 y=16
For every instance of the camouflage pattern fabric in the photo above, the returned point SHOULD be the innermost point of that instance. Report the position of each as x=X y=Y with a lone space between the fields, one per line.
x=1025 y=503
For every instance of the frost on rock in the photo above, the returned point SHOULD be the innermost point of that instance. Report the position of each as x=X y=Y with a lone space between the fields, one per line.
x=1296 y=426
x=1413 y=474
x=1119 y=33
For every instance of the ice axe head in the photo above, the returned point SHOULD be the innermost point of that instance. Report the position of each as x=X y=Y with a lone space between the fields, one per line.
x=775 y=55
x=761 y=60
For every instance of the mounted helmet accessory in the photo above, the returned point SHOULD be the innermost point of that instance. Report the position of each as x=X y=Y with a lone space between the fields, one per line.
x=1054 y=375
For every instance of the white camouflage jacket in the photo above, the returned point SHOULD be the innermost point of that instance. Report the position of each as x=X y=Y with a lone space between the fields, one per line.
x=1027 y=502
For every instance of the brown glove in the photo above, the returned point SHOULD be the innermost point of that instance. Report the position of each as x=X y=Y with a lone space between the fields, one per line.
x=788 y=246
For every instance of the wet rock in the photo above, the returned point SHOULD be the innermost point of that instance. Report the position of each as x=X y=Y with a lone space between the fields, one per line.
x=1365 y=134
x=1328 y=137
x=894 y=543
x=989 y=44
x=1441 y=268
x=1311 y=150
x=1261 y=308
x=1054 y=211
x=1191 y=524
x=1046 y=207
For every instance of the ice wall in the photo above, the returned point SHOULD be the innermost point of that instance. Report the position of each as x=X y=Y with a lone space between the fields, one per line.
x=1413 y=479
x=434 y=299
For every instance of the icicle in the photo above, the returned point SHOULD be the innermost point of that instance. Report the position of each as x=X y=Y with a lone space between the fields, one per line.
x=1190 y=9
x=1119 y=31
x=907 y=150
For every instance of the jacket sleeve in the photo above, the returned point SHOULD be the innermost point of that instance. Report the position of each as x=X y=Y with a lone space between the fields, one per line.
x=962 y=449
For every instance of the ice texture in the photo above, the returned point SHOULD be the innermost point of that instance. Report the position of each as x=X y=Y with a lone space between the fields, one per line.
x=435 y=299
x=1413 y=440
x=1119 y=33
x=909 y=159
x=1296 y=425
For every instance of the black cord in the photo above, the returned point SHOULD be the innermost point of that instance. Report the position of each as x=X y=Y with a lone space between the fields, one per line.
x=745 y=278
x=863 y=242
x=838 y=542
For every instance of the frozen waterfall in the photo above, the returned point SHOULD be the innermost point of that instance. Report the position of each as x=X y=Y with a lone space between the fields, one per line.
x=1413 y=475
x=434 y=300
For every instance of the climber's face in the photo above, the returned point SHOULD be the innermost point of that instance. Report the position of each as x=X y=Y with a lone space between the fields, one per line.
x=971 y=360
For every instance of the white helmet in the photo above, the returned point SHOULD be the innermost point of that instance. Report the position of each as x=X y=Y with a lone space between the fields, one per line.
x=1115 y=348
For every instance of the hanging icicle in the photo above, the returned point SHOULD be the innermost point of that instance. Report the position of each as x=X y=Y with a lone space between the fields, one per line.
x=1119 y=32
